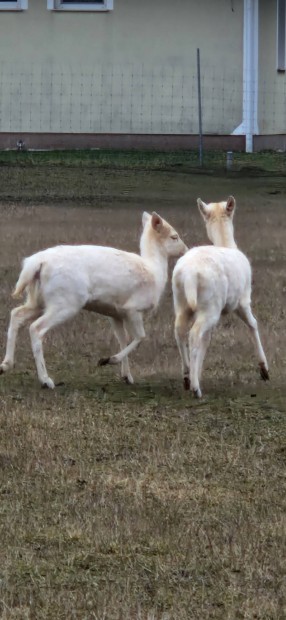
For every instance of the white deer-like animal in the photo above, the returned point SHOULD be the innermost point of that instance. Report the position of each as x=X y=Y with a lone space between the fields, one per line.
x=209 y=281
x=62 y=280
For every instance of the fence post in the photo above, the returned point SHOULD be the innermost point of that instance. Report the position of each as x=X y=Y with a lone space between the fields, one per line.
x=229 y=160
x=200 y=108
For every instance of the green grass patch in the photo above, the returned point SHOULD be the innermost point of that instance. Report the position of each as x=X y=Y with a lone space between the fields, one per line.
x=267 y=161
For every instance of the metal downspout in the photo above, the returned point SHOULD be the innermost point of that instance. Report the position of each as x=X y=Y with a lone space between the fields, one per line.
x=249 y=125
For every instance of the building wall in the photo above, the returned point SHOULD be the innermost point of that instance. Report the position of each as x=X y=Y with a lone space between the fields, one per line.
x=272 y=85
x=132 y=70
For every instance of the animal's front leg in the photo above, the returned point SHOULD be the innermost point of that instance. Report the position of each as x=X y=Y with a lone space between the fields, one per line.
x=120 y=333
x=245 y=313
x=134 y=324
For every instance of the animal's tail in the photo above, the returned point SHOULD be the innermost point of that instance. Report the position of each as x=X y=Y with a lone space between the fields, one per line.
x=185 y=290
x=191 y=291
x=29 y=275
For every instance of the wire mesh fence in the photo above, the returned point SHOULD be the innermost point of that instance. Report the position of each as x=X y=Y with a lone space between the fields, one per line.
x=117 y=99
x=131 y=99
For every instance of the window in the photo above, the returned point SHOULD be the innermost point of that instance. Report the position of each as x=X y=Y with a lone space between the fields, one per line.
x=80 y=5
x=13 y=5
x=281 y=31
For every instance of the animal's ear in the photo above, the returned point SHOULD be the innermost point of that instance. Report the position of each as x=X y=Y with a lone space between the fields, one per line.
x=203 y=209
x=145 y=218
x=230 y=206
x=157 y=222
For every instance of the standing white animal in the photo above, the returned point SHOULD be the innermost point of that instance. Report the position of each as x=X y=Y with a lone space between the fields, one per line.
x=62 y=280
x=207 y=282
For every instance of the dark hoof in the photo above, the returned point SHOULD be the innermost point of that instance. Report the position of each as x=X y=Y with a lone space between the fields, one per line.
x=103 y=361
x=187 y=383
x=126 y=380
x=48 y=384
x=264 y=374
x=1 y=371
x=197 y=394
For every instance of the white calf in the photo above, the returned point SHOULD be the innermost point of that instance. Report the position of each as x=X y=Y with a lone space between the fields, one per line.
x=208 y=281
x=61 y=281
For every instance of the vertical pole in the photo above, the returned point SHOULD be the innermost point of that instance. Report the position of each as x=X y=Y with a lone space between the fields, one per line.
x=200 y=108
x=249 y=125
x=229 y=160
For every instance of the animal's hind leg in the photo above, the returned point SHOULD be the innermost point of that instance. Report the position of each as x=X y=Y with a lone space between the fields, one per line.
x=19 y=317
x=245 y=313
x=199 y=340
x=194 y=344
x=120 y=333
x=206 y=338
x=52 y=317
x=181 y=335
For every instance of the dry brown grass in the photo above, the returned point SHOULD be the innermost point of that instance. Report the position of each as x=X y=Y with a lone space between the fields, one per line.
x=123 y=502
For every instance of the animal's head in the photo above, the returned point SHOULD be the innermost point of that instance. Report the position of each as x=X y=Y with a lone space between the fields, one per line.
x=218 y=217
x=163 y=234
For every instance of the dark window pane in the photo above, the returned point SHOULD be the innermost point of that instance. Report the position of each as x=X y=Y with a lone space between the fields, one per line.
x=281 y=35
x=82 y=1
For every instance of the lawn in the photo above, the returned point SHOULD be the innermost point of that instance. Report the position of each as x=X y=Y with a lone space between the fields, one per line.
x=137 y=502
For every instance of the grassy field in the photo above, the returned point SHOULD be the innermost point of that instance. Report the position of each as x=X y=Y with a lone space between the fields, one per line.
x=136 y=502
x=88 y=176
x=258 y=163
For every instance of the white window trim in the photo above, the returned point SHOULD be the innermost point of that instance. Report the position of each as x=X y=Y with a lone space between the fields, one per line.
x=56 y=5
x=281 y=36
x=18 y=5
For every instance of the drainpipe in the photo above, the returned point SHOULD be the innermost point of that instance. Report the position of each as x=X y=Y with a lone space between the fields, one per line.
x=249 y=125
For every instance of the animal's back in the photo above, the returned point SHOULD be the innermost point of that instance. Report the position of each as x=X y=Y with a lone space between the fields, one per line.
x=86 y=273
x=222 y=276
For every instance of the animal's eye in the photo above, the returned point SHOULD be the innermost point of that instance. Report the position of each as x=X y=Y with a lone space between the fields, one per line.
x=175 y=237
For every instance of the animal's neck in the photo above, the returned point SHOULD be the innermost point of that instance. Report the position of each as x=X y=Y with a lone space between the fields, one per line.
x=157 y=261
x=223 y=235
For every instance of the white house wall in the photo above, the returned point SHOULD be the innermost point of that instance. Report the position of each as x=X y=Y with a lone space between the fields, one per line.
x=272 y=85
x=132 y=70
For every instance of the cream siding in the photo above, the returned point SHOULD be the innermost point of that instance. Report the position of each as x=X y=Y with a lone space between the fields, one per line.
x=272 y=85
x=132 y=70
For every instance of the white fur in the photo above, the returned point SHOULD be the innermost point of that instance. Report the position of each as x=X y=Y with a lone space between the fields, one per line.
x=208 y=281
x=62 y=280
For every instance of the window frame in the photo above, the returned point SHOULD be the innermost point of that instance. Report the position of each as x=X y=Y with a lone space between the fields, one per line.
x=281 y=36
x=16 y=5
x=56 y=5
